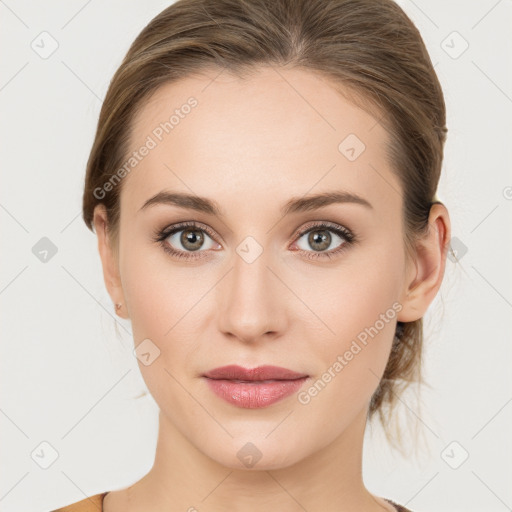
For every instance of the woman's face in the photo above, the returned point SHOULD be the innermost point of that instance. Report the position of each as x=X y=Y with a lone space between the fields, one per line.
x=270 y=278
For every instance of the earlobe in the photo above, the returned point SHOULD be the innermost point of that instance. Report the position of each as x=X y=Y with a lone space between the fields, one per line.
x=427 y=273
x=109 y=260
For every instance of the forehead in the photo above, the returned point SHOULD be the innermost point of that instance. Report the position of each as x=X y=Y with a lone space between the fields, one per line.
x=287 y=129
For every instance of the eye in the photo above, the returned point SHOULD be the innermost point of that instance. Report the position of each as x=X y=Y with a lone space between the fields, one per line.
x=319 y=237
x=185 y=239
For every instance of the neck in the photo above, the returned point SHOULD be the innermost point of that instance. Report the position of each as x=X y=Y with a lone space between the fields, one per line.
x=184 y=478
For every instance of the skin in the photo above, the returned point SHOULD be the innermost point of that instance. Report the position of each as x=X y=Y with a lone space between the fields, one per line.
x=251 y=145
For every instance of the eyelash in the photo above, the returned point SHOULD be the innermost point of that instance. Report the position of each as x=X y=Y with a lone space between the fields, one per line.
x=161 y=235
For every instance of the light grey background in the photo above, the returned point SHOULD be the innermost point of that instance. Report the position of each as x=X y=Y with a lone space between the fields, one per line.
x=69 y=379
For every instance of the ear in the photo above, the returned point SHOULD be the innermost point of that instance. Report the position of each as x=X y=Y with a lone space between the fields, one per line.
x=109 y=260
x=426 y=273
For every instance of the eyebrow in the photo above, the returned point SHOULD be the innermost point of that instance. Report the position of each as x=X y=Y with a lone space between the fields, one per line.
x=294 y=205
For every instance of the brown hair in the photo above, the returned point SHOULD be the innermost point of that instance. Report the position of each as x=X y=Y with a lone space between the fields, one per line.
x=370 y=48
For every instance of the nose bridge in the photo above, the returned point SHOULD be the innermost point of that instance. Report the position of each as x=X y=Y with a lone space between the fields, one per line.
x=250 y=265
x=249 y=302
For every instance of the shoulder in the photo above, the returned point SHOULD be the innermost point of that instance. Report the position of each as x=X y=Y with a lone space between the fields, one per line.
x=90 y=504
x=398 y=507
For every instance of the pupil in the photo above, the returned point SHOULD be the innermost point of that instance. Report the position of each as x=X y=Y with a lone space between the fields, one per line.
x=317 y=237
x=190 y=237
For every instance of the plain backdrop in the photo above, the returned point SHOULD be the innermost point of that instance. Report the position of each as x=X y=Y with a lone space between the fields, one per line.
x=68 y=375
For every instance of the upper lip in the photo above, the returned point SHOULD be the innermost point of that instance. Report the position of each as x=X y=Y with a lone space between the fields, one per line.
x=235 y=372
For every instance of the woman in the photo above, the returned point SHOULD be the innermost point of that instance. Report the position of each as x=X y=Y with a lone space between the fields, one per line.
x=262 y=185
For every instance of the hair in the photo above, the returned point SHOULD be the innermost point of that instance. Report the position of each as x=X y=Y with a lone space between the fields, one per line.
x=368 y=49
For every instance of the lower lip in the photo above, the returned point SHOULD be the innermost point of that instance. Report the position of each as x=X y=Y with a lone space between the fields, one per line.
x=254 y=395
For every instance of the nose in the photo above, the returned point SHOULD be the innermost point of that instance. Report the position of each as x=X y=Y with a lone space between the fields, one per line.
x=252 y=299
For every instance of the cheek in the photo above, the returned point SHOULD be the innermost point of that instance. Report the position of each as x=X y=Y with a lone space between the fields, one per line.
x=352 y=362
x=158 y=303
x=360 y=307
x=353 y=295
x=164 y=302
x=149 y=291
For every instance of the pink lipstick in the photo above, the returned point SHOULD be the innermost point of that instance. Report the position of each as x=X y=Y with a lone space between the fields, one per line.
x=253 y=388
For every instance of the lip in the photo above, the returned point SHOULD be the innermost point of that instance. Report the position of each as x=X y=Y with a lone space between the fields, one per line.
x=254 y=388
x=235 y=372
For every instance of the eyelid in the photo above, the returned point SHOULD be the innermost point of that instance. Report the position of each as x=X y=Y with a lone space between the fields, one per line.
x=298 y=232
x=179 y=226
x=310 y=226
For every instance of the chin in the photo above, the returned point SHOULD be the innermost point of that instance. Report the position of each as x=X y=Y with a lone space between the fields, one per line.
x=254 y=454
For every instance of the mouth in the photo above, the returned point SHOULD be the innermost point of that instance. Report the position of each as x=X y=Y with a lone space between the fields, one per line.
x=255 y=381
x=260 y=373
x=254 y=388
